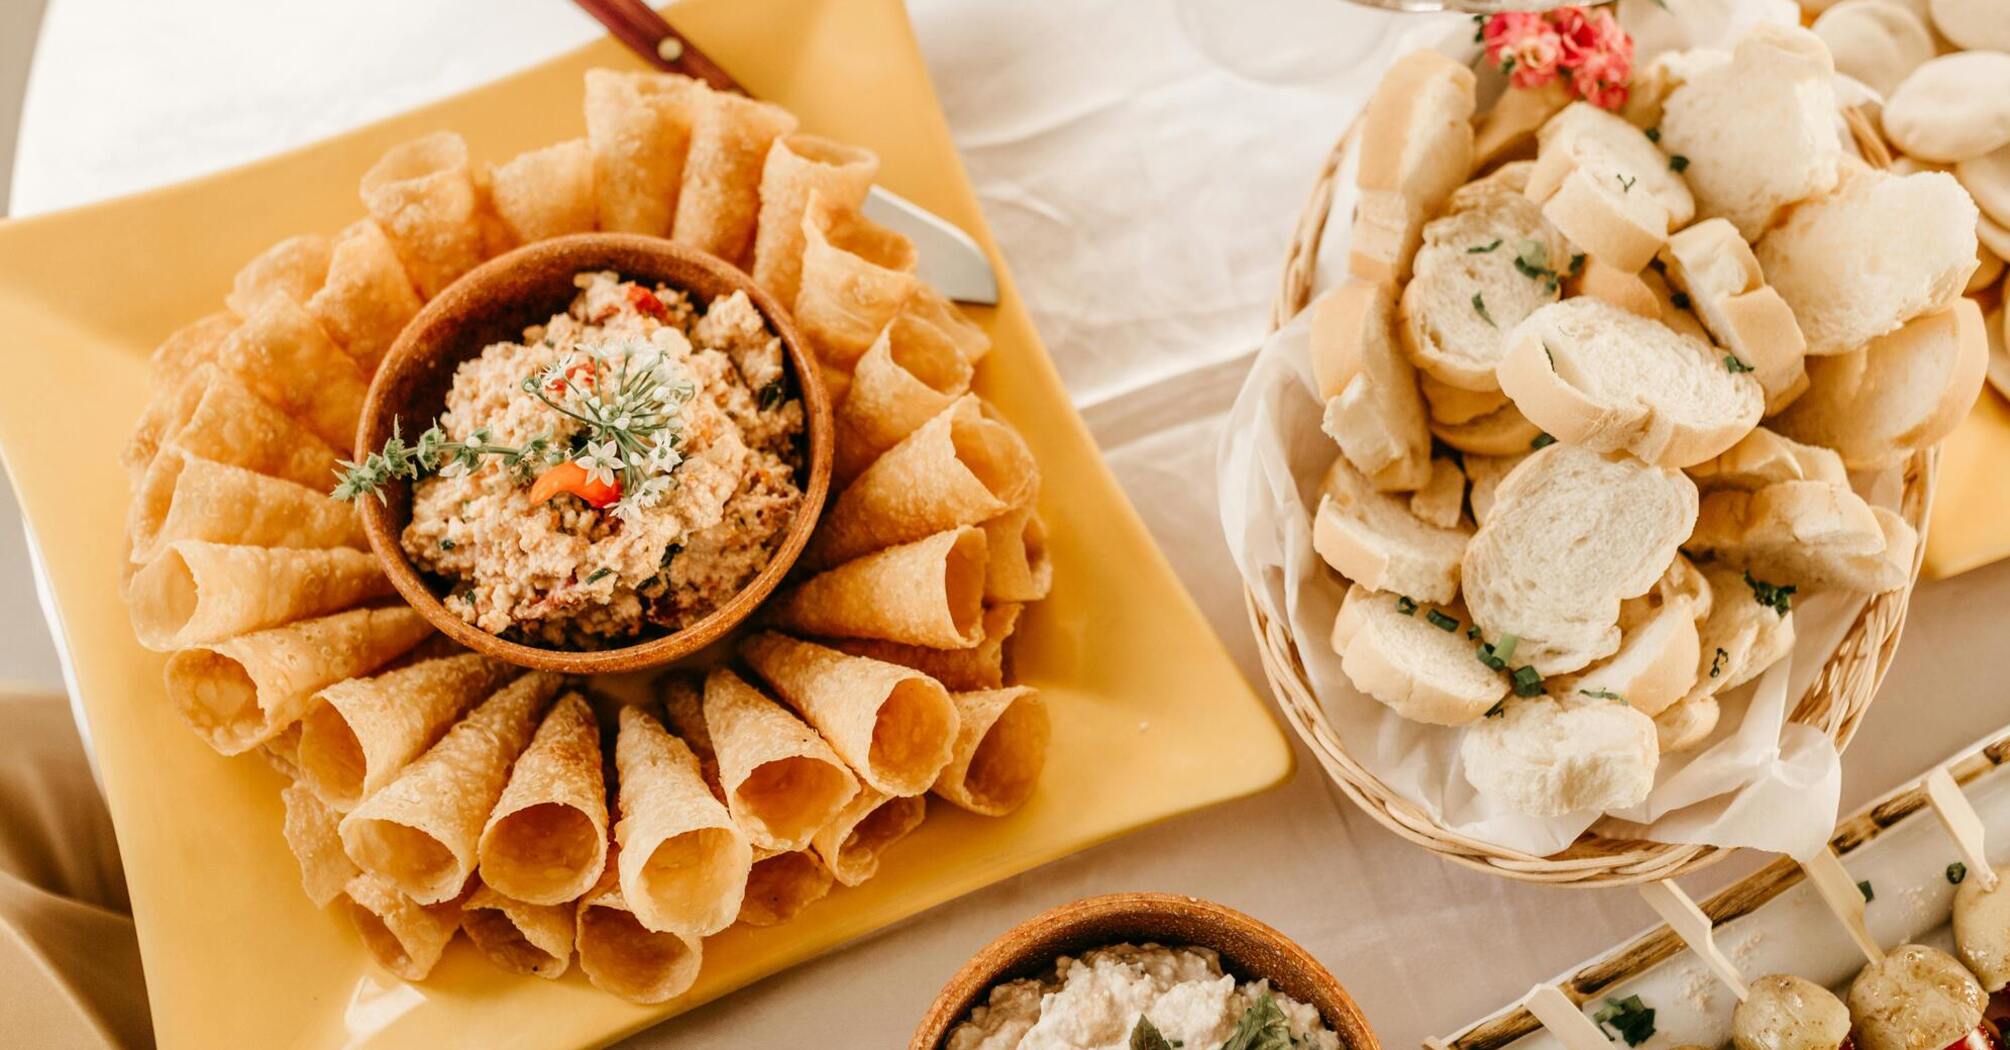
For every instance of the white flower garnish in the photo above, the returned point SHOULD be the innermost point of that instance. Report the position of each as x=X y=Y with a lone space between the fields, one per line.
x=662 y=458
x=600 y=459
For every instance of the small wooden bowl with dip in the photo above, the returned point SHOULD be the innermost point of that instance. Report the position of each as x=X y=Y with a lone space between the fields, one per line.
x=1249 y=951
x=495 y=302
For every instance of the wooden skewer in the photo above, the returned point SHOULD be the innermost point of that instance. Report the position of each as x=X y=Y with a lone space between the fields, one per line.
x=1962 y=824
x=1565 y=1019
x=1843 y=897
x=1689 y=923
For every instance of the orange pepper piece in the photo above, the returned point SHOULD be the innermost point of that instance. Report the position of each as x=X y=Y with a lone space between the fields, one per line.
x=570 y=477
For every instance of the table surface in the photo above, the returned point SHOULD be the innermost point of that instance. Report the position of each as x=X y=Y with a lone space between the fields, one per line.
x=1142 y=164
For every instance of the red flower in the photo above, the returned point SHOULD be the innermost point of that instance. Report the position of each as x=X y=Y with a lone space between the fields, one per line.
x=1588 y=48
x=1524 y=46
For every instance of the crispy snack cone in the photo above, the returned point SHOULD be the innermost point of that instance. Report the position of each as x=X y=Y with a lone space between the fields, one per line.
x=421 y=828
x=406 y=937
x=909 y=376
x=853 y=844
x=1001 y=745
x=782 y=885
x=357 y=734
x=683 y=861
x=855 y=276
x=310 y=833
x=929 y=592
x=196 y=592
x=282 y=753
x=781 y=781
x=623 y=957
x=238 y=694
x=796 y=167
x=934 y=309
x=282 y=354
x=1018 y=568
x=959 y=468
x=639 y=127
x=894 y=725
x=194 y=344
x=214 y=416
x=422 y=194
x=720 y=198
x=545 y=192
x=684 y=715
x=546 y=839
x=295 y=268
x=185 y=498
x=367 y=298
x=982 y=666
x=519 y=937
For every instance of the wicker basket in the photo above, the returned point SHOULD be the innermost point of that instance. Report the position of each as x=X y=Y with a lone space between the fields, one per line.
x=1834 y=703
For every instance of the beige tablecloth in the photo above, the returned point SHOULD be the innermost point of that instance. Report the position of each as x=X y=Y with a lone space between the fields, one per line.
x=1142 y=162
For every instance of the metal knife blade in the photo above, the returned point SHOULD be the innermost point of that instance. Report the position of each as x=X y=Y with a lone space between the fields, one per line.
x=951 y=260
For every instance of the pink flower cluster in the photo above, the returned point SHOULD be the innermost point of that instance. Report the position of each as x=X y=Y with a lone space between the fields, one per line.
x=1586 y=48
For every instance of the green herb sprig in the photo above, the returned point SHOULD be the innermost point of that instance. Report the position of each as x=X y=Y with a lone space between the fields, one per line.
x=1774 y=596
x=433 y=453
x=1629 y=1019
x=1261 y=1027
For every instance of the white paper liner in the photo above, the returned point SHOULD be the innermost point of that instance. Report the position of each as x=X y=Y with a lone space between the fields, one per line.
x=1758 y=781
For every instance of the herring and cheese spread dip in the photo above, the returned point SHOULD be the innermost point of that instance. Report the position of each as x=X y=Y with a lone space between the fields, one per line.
x=1097 y=1002
x=630 y=463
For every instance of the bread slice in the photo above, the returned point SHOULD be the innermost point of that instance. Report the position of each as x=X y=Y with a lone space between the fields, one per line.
x=1401 y=655
x=1757 y=134
x=1416 y=148
x=1876 y=253
x=1449 y=404
x=1506 y=131
x=1764 y=457
x=1483 y=476
x=1808 y=534
x=1585 y=131
x=1592 y=374
x=1713 y=266
x=1372 y=539
x=1686 y=723
x=1374 y=411
x=1684 y=582
x=1626 y=289
x=1483 y=267
x=1442 y=500
x=1605 y=187
x=1570 y=534
x=1906 y=390
x=1740 y=638
x=1655 y=665
x=1502 y=432
x=1547 y=756
x=1659 y=77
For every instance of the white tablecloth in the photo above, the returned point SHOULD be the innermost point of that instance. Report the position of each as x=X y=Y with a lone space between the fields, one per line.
x=1142 y=164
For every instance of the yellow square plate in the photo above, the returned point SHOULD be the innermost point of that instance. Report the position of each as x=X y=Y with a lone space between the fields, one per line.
x=1150 y=717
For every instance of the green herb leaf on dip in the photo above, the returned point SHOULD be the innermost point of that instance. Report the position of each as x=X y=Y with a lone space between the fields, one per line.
x=1262 y=1027
x=1145 y=1036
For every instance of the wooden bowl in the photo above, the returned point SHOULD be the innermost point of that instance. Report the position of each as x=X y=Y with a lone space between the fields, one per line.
x=497 y=301
x=1249 y=950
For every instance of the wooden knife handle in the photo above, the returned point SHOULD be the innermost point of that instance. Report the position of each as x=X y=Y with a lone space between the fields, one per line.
x=636 y=24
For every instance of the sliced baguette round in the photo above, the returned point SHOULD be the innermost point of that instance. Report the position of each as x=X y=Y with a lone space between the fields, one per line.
x=1655 y=665
x=1739 y=639
x=1712 y=265
x=1585 y=132
x=1878 y=42
x=1483 y=476
x=1764 y=457
x=1372 y=539
x=1906 y=391
x=1878 y=252
x=1757 y=133
x=1592 y=374
x=1450 y=405
x=1547 y=756
x=1416 y=148
x=1471 y=283
x=1375 y=413
x=1810 y=534
x=1421 y=671
x=1686 y=723
x=1502 y=432
x=1442 y=500
x=1570 y=534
